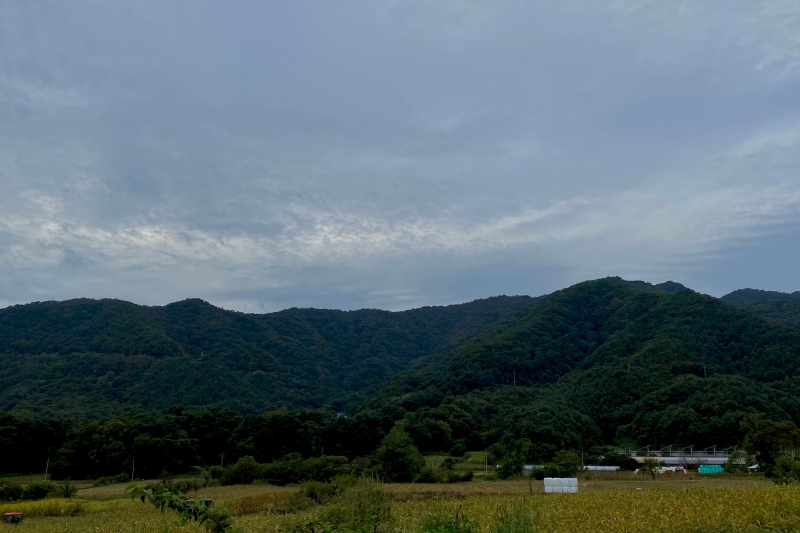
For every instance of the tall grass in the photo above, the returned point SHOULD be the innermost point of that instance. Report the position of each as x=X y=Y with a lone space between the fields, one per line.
x=693 y=510
x=677 y=511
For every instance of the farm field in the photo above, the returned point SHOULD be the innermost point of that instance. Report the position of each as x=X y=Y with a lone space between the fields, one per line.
x=604 y=506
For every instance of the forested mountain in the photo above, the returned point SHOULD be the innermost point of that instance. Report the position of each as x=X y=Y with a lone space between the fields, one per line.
x=777 y=307
x=99 y=357
x=603 y=361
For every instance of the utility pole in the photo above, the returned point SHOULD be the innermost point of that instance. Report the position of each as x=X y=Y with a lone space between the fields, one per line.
x=222 y=459
x=515 y=378
x=46 y=467
x=133 y=467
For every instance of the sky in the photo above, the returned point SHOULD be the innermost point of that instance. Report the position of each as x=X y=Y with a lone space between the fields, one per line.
x=395 y=153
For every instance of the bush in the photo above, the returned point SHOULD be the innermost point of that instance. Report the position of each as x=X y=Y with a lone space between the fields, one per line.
x=459 y=448
x=432 y=475
x=319 y=492
x=111 y=480
x=509 y=467
x=38 y=490
x=66 y=489
x=294 y=469
x=10 y=492
x=568 y=462
x=449 y=463
x=244 y=472
x=786 y=471
x=548 y=470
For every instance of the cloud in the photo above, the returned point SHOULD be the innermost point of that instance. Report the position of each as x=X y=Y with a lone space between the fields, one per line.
x=392 y=154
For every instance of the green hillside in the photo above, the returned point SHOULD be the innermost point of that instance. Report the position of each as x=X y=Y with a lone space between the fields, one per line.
x=603 y=361
x=101 y=357
x=776 y=307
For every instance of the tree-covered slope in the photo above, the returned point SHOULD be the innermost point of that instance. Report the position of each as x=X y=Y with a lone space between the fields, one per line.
x=776 y=307
x=98 y=357
x=605 y=361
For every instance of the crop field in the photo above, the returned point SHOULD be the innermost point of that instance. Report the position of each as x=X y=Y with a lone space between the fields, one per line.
x=662 y=506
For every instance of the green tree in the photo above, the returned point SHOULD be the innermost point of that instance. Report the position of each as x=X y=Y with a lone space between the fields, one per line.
x=768 y=440
x=568 y=462
x=397 y=458
x=651 y=467
x=786 y=470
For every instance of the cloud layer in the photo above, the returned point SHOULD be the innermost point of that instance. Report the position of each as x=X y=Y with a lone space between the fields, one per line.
x=394 y=154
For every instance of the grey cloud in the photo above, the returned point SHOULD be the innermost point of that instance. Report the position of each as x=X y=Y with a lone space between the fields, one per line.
x=393 y=154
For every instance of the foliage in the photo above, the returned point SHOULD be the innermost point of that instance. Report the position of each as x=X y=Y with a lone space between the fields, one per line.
x=568 y=462
x=245 y=471
x=10 y=491
x=768 y=440
x=111 y=480
x=651 y=467
x=66 y=489
x=510 y=466
x=364 y=508
x=38 y=490
x=734 y=462
x=98 y=358
x=397 y=459
x=441 y=475
x=786 y=470
x=164 y=499
x=600 y=363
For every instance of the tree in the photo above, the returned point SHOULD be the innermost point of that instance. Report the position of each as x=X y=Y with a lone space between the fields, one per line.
x=568 y=462
x=786 y=471
x=768 y=440
x=397 y=458
x=651 y=467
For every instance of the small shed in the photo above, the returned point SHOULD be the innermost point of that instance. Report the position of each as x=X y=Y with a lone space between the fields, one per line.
x=12 y=518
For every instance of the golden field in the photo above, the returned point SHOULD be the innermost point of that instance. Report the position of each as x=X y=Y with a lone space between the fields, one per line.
x=602 y=506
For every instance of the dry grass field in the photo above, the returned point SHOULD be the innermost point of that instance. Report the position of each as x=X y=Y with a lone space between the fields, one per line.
x=666 y=505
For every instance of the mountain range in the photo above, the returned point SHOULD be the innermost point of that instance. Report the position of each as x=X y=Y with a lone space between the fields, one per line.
x=607 y=360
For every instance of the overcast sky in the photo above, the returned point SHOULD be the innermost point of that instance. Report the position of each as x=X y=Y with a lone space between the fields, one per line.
x=393 y=154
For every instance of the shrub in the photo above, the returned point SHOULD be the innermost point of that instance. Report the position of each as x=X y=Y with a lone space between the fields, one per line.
x=548 y=470
x=509 y=467
x=432 y=475
x=569 y=463
x=244 y=472
x=786 y=471
x=319 y=492
x=427 y=475
x=10 y=492
x=66 y=489
x=449 y=463
x=459 y=448
x=111 y=480
x=38 y=490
